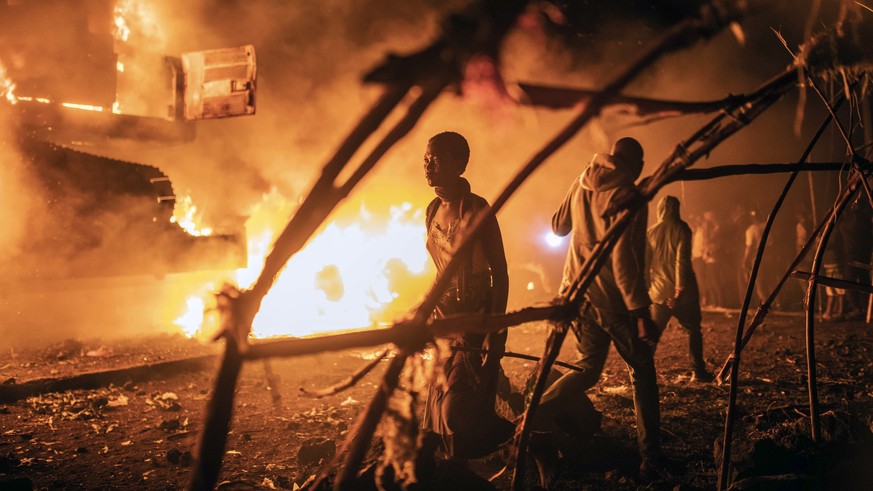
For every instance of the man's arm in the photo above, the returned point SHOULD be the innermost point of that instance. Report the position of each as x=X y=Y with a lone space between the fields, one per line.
x=628 y=266
x=562 y=220
x=628 y=263
x=492 y=240
x=682 y=270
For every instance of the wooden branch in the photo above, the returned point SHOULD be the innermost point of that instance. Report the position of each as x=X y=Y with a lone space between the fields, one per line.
x=216 y=423
x=846 y=137
x=565 y=98
x=319 y=202
x=747 y=299
x=756 y=169
x=84 y=381
x=521 y=356
x=553 y=348
x=833 y=282
x=349 y=382
x=358 y=439
x=403 y=333
x=815 y=423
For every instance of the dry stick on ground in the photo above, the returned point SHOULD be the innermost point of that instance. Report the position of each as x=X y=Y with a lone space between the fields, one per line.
x=350 y=381
x=759 y=254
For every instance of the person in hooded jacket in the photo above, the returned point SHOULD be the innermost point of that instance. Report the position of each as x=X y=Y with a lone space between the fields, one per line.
x=673 y=285
x=618 y=310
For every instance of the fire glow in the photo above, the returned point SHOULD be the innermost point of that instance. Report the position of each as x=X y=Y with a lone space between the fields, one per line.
x=7 y=86
x=185 y=214
x=349 y=275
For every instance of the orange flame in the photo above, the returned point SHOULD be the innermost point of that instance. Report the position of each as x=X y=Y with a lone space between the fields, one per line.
x=351 y=275
x=7 y=86
x=186 y=216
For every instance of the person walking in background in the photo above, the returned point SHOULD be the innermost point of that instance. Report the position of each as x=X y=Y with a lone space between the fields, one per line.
x=709 y=234
x=619 y=300
x=673 y=285
x=753 y=235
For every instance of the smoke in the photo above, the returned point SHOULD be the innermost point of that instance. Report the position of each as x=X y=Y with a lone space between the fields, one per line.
x=313 y=55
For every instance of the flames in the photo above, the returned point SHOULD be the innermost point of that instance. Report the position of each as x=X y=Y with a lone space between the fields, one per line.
x=354 y=273
x=7 y=86
x=186 y=215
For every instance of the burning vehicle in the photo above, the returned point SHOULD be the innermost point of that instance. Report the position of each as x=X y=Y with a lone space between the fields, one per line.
x=89 y=220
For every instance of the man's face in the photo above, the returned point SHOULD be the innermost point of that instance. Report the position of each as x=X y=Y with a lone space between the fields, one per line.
x=439 y=169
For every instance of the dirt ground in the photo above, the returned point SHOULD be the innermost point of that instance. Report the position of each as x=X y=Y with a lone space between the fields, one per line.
x=140 y=435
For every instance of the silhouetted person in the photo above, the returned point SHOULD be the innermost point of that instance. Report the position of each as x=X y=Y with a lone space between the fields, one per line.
x=856 y=231
x=619 y=301
x=833 y=266
x=461 y=411
x=673 y=285
x=753 y=235
x=708 y=236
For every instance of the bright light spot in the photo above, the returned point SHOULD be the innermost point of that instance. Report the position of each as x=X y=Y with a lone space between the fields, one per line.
x=192 y=319
x=7 y=86
x=86 y=107
x=122 y=32
x=530 y=285
x=116 y=107
x=119 y=66
x=553 y=240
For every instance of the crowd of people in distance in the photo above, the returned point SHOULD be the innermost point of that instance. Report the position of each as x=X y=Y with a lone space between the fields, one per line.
x=724 y=246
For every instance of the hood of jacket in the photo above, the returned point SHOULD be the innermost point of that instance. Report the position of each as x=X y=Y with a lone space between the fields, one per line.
x=604 y=173
x=668 y=209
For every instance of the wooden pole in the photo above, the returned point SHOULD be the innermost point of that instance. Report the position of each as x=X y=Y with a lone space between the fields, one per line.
x=213 y=434
x=810 y=313
x=750 y=288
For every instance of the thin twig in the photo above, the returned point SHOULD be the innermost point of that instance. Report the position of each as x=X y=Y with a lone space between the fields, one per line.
x=521 y=356
x=348 y=382
x=846 y=137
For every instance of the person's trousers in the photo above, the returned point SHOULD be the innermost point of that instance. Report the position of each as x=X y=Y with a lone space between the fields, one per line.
x=687 y=314
x=594 y=332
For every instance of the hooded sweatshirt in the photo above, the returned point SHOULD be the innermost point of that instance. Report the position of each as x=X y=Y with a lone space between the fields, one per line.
x=670 y=250
x=620 y=285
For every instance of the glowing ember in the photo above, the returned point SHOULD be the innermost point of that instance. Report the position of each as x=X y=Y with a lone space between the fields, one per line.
x=185 y=214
